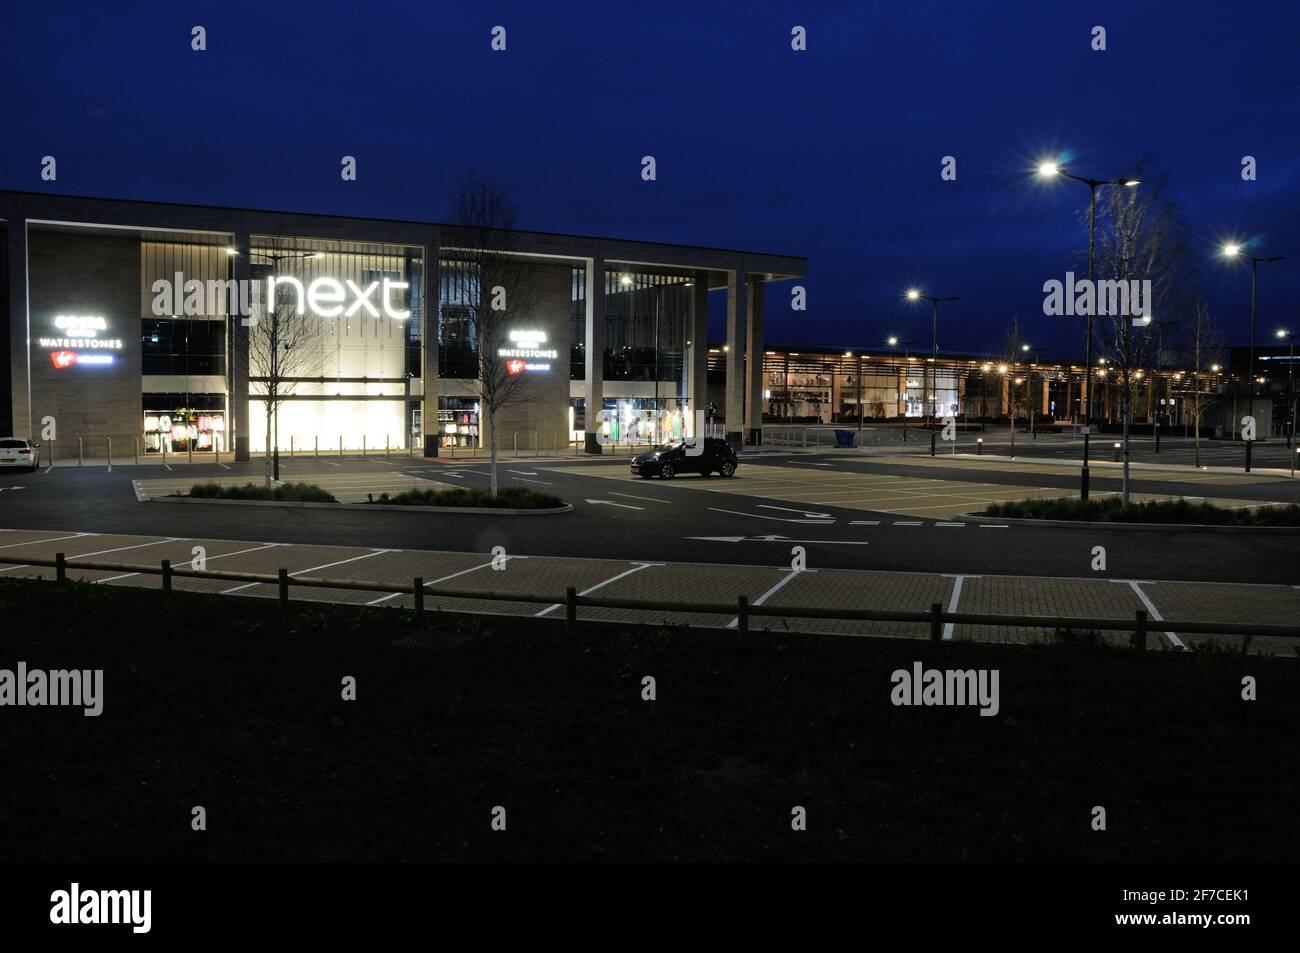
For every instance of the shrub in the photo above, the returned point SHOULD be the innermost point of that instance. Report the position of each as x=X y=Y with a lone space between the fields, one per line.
x=1112 y=510
x=508 y=497
x=284 y=493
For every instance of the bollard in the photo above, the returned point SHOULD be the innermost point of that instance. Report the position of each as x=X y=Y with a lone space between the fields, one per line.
x=163 y=444
x=742 y=615
x=1117 y=446
x=1140 y=630
x=570 y=607
x=515 y=435
x=284 y=588
x=936 y=622
x=60 y=567
x=80 y=457
x=979 y=444
x=417 y=590
x=189 y=449
x=166 y=575
x=108 y=441
x=137 y=452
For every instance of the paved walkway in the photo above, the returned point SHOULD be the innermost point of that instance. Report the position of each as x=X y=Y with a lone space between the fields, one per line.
x=1167 y=602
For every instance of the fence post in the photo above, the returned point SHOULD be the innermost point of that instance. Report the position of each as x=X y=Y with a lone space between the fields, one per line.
x=60 y=568
x=108 y=442
x=166 y=575
x=417 y=590
x=571 y=607
x=284 y=588
x=742 y=615
x=936 y=622
x=1140 y=630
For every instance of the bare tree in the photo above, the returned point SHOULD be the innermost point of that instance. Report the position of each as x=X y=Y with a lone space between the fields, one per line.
x=1203 y=343
x=1141 y=238
x=284 y=346
x=497 y=294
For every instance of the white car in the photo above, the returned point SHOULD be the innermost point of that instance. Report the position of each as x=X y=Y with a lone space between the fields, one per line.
x=18 y=452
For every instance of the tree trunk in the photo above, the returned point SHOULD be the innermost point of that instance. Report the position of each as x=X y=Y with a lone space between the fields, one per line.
x=1128 y=419
x=266 y=456
x=492 y=447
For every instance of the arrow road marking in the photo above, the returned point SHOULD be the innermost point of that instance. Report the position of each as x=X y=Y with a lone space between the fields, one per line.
x=768 y=506
x=778 y=539
x=626 y=506
x=779 y=519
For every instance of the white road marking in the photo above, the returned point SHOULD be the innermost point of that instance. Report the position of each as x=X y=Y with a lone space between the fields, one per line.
x=53 y=539
x=763 y=598
x=633 y=496
x=626 y=506
x=433 y=582
x=808 y=513
x=779 y=519
x=778 y=539
x=128 y=575
x=1155 y=614
x=598 y=585
x=249 y=585
x=947 y=525
x=526 y=480
x=864 y=522
x=907 y=522
x=994 y=526
x=523 y=472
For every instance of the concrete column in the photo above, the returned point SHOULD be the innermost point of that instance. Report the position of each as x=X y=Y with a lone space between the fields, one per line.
x=737 y=311
x=754 y=363
x=593 y=389
x=697 y=355
x=15 y=402
x=431 y=297
x=237 y=399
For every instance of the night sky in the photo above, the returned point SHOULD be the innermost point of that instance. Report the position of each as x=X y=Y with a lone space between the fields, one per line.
x=833 y=153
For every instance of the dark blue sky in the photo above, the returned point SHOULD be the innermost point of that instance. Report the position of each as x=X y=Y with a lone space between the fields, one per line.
x=832 y=153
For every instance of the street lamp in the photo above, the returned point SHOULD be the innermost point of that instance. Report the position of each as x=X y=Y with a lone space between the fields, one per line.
x=914 y=295
x=1290 y=382
x=1234 y=250
x=1029 y=378
x=895 y=343
x=1050 y=170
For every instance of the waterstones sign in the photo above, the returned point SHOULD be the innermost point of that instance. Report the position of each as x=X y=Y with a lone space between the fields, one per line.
x=323 y=297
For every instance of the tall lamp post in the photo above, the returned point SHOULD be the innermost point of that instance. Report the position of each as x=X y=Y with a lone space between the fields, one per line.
x=1235 y=250
x=914 y=295
x=1051 y=170
x=1029 y=384
x=895 y=343
x=1286 y=335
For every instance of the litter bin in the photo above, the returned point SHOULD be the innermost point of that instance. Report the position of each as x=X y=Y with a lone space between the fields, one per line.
x=843 y=438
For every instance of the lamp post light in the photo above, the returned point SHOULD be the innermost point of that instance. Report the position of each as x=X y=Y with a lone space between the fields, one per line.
x=1050 y=170
x=1290 y=387
x=1235 y=250
x=896 y=343
x=914 y=295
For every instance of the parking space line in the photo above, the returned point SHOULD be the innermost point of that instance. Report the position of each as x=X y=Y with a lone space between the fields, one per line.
x=763 y=598
x=249 y=585
x=598 y=585
x=55 y=539
x=1155 y=614
x=240 y=552
x=953 y=601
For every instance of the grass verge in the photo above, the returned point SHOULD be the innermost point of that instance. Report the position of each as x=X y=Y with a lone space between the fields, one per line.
x=1111 y=509
x=227 y=702
x=284 y=493
x=508 y=497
